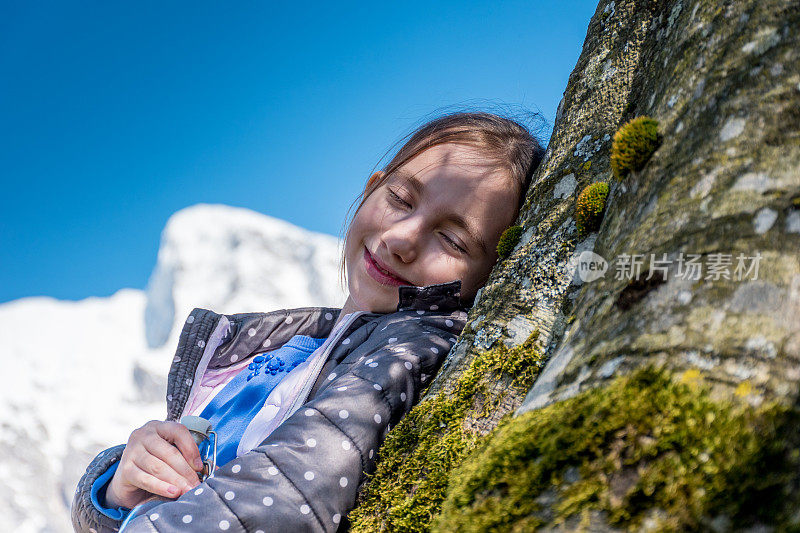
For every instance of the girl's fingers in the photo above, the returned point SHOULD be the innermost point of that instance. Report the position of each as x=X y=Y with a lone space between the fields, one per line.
x=170 y=455
x=157 y=468
x=179 y=435
x=150 y=483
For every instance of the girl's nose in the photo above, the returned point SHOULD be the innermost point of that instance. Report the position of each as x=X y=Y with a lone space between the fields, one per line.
x=403 y=238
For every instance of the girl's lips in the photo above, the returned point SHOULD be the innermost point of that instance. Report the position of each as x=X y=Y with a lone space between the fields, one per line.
x=375 y=272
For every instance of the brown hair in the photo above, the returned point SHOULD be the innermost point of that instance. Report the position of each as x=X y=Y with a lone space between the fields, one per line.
x=504 y=141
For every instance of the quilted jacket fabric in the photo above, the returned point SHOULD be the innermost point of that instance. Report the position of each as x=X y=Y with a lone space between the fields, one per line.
x=305 y=476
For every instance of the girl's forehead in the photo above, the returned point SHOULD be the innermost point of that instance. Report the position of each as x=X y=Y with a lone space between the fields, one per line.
x=451 y=162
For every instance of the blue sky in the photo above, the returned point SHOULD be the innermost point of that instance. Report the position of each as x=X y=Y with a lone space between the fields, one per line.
x=117 y=114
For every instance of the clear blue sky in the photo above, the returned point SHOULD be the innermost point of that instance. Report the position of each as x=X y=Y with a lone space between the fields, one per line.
x=117 y=114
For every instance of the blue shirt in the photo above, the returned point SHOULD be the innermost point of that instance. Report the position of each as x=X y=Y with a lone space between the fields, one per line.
x=235 y=406
x=232 y=409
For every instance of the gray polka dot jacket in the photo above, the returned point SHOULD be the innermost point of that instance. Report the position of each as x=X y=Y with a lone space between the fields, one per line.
x=306 y=474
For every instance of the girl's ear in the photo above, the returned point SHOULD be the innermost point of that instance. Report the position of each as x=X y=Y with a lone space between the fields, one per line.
x=372 y=179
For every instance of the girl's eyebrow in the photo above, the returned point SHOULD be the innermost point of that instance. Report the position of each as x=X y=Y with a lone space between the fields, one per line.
x=455 y=218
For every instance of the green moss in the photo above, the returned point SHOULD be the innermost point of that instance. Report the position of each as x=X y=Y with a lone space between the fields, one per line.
x=633 y=145
x=643 y=446
x=508 y=240
x=410 y=482
x=589 y=207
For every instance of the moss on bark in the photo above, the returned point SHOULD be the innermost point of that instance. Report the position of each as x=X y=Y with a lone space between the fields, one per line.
x=649 y=450
x=409 y=485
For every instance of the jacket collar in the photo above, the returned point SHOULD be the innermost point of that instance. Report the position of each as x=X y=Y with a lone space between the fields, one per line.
x=441 y=296
x=248 y=332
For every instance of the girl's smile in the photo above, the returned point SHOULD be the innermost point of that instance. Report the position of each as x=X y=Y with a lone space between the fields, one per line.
x=436 y=219
x=380 y=273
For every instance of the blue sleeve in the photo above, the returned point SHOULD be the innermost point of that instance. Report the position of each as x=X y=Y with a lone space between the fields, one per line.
x=98 y=493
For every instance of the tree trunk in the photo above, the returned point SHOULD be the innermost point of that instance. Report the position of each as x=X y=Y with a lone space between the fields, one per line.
x=669 y=396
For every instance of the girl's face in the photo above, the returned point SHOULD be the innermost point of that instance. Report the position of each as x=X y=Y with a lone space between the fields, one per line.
x=436 y=219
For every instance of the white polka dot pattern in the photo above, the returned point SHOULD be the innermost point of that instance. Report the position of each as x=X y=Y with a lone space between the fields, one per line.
x=421 y=335
x=190 y=319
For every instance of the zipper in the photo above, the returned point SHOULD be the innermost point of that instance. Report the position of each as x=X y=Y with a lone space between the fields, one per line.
x=214 y=341
x=301 y=397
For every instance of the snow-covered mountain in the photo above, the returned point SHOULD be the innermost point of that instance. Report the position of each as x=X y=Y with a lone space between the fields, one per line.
x=82 y=375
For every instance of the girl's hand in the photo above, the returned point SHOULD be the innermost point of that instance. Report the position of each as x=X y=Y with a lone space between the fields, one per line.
x=150 y=464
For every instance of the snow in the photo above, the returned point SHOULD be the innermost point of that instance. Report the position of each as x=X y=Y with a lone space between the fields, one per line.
x=80 y=376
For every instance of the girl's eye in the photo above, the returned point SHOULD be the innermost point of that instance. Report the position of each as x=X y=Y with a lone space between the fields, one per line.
x=397 y=199
x=454 y=244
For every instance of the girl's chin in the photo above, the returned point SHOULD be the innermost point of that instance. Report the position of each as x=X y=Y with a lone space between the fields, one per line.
x=385 y=302
x=367 y=299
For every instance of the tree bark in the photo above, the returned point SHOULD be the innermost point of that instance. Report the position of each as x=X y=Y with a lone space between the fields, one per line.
x=723 y=188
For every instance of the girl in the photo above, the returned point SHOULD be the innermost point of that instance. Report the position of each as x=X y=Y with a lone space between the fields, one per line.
x=299 y=424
